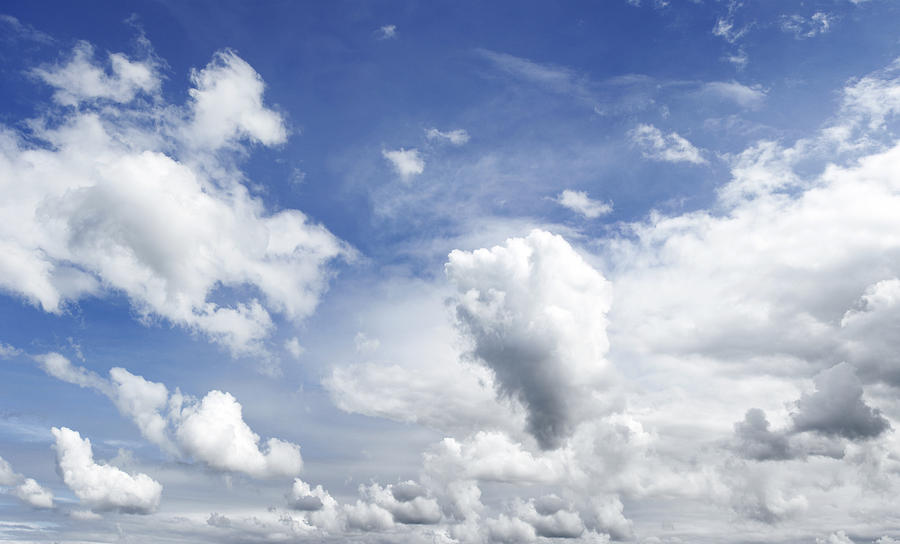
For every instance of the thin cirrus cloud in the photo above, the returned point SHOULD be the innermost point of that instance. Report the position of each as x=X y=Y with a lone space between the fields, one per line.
x=114 y=204
x=672 y=147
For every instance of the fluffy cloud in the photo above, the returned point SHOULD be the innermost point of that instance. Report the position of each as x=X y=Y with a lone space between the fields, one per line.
x=579 y=202
x=214 y=431
x=455 y=137
x=80 y=79
x=103 y=487
x=406 y=162
x=756 y=441
x=837 y=407
x=26 y=489
x=535 y=313
x=664 y=147
x=32 y=493
x=142 y=198
x=211 y=430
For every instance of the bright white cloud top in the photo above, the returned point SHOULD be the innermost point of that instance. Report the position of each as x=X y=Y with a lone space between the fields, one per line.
x=482 y=351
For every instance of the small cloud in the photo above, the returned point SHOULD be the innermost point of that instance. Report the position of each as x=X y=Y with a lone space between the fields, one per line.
x=16 y=29
x=742 y=95
x=387 y=32
x=455 y=137
x=364 y=344
x=802 y=27
x=406 y=162
x=664 y=147
x=293 y=347
x=579 y=202
x=7 y=351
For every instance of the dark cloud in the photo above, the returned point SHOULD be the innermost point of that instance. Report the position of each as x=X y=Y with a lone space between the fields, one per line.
x=755 y=441
x=837 y=408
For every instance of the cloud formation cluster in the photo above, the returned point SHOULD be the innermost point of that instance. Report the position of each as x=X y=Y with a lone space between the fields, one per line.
x=211 y=430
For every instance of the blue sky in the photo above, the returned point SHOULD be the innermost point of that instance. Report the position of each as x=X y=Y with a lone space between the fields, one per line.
x=449 y=272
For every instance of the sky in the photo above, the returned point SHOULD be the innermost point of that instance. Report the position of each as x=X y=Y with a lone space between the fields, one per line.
x=450 y=272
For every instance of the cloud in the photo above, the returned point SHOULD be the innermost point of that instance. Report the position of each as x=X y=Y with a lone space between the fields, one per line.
x=227 y=106
x=755 y=440
x=17 y=29
x=25 y=489
x=141 y=198
x=292 y=346
x=103 y=487
x=387 y=32
x=874 y=98
x=579 y=202
x=455 y=137
x=80 y=79
x=7 y=351
x=837 y=537
x=535 y=314
x=214 y=432
x=806 y=27
x=664 y=147
x=406 y=162
x=837 y=407
x=210 y=430
x=33 y=494
x=740 y=94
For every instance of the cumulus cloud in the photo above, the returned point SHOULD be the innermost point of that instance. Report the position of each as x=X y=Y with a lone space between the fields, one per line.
x=32 y=493
x=535 y=313
x=7 y=351
x=80 y=79
x=210 y=430
x=103 y=487
x=214 y=431
x=227 y=105
x=25 y=489
x=837 y=407
x=406 y=162
x=142 y=198
x=579 y=202
x=455 y=137
x=664 y=147
x=756 y=441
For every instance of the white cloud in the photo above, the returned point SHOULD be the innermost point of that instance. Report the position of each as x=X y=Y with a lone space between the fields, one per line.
x=579 y=202
x=7 y=351
x=387 y=32
x=535 y=313
x=664 y=147
x=211 y=430
x=25 y=489
x=837 y=537
x=292 y=345
x=33 y=494
x=455 y=137
x=227 y=105
x=80 y=79
x=214 y=432
x=103 y=487
x=364 y=344
x=406 y=162
x=742 y=95
x=141 y=199
x=806 y=27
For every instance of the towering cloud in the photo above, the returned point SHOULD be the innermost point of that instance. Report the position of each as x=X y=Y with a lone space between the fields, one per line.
x=535 y=313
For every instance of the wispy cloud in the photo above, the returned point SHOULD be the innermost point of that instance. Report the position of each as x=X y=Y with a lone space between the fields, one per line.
x=669 y=147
